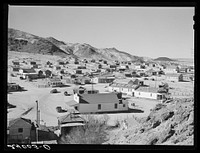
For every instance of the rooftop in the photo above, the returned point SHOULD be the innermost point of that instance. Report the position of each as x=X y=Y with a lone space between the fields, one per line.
x=148 y=89
x=70 y=118
x=99 y=98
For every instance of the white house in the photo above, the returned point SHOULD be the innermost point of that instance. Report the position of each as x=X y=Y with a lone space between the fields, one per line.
x=100 y=102
x=170 y=69
x=148 y=92
x=27 y=72
x=125 y=88
x=103 y=79
x=176 y=77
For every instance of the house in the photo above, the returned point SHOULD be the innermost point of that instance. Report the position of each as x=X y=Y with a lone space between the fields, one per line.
x=84 y=80
x=93 y=61
x=27 y=72
x=48 y=73
x=148 y=92
x=68 y=121
x=173 y=77
x=32 y=63
x=54 y=82
x=113 y=66
x=137 y=67
x=186 y=77
x=151 y=72
x=23 y=131
x=20 y=130
x=15 y=63
x=81 y=67
x=78 y=71
x=101 y=102
x=13 y=87
x=82 y=90
x=170 y=69
x=15 y=69
x=125 y=88
x=103 y=79
x=57 y=67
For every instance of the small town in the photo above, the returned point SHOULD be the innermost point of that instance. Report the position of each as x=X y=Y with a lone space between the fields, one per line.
x=74 y=93
x=57 y=96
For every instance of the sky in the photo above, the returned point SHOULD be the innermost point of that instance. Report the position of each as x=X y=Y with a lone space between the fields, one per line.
x=142 y=31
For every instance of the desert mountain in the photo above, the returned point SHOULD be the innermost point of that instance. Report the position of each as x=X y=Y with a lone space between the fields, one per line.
x=25 y=42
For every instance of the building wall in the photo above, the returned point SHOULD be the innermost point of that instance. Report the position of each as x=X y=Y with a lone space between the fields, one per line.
x=145 y=95
x=170 y=70
x=13 y=132
x=89 y=108
x=170 y=78
x=120 y=89
x=76 y=98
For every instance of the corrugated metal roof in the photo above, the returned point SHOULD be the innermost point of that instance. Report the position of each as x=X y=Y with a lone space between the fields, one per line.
x=70 y=118
x=11 y=122
x=72 y=124
x=148 y=89
x=99 y=98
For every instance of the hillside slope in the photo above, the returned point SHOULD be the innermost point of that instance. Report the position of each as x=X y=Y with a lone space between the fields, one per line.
x=167 y=124
x=25 y=42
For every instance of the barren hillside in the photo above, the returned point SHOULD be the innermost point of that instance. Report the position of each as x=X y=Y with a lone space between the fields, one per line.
x=167 y=124
x=24 y=42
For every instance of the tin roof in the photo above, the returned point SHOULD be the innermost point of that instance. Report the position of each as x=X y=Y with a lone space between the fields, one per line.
x=70 y=118
x=99 y=98
x=148 y=89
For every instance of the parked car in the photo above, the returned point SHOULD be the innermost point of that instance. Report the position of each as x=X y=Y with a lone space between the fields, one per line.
x=21 y=78
x=54 y=91
x=66 y=93
x=146 y=79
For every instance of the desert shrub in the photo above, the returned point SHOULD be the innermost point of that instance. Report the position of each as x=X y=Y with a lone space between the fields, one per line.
x=117 y=123
x=93 y=132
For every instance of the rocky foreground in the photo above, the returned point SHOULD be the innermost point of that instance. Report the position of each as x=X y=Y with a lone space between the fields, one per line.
x=167 y=124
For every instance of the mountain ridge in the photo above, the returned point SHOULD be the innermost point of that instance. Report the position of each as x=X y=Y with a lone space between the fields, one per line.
x=25 y=42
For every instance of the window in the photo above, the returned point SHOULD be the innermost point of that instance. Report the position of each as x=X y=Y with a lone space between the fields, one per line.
x=115 y=106
x=151 y=94
x=99 y=106
x=124 y=105
x=20 y=130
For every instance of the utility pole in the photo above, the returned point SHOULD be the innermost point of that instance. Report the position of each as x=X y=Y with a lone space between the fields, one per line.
x=37 y=120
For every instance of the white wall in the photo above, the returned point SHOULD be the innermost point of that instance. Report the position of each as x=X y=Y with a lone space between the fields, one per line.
x=76 y=98
x=119 y=89
x=86 y=108
x=172 y=78
x=145 y=95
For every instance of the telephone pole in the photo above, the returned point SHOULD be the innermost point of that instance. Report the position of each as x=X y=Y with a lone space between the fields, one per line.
x=37 y=120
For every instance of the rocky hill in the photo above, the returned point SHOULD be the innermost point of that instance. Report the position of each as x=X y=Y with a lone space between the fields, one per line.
x=25 y=42
x=167 y=124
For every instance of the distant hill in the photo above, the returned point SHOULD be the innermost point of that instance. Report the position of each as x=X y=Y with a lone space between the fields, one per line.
x=25 y=42
x=163 y=59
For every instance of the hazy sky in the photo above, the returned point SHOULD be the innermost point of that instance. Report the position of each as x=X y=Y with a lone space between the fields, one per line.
x=141 y=31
